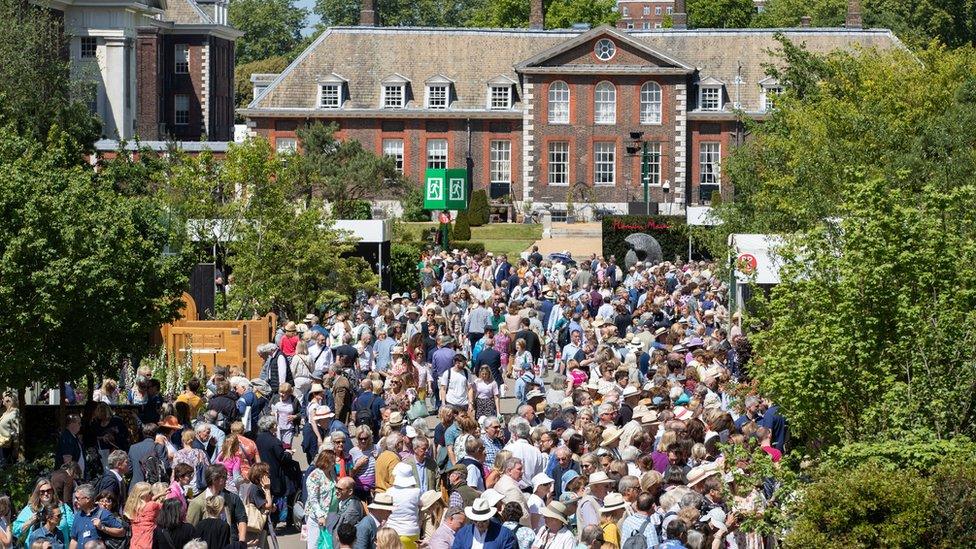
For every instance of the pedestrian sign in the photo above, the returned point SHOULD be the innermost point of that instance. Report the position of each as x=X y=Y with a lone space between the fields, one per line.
x=446 y=189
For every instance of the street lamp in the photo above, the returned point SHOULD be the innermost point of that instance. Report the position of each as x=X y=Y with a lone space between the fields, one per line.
x=642 y=147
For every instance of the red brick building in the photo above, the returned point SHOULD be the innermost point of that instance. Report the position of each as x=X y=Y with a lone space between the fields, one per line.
x=643 y=14
x=535 y=113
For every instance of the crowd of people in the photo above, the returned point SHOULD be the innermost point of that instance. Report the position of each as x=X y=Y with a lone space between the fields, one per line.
x=623 y=424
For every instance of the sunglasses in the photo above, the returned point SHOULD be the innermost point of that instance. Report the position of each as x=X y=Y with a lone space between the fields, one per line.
x=364 y=439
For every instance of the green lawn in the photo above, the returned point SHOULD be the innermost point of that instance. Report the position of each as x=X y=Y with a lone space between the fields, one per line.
x=508 y=238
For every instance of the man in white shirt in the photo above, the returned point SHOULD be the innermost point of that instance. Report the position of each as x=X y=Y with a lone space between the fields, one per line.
x=454 y=384
x=533 y=460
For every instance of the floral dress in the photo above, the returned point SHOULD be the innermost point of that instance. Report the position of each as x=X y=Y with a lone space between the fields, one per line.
x=502 y=342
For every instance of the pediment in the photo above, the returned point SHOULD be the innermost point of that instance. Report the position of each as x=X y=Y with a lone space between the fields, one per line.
x=579 y=54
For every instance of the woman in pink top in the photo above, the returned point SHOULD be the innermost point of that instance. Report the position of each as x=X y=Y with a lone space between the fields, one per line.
x=230 y=458
x=502 y=341
x=289 y=342
x=141 y=510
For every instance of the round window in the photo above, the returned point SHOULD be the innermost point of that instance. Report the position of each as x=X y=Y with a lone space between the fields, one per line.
x=604 y=49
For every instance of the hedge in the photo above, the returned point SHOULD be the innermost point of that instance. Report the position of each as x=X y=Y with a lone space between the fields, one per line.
x=478 y=209
x=354 y=209
x=669 y=231
x=462 y=228
x=473 y=247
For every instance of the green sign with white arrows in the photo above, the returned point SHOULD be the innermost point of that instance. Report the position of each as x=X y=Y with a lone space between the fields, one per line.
x=446 y=189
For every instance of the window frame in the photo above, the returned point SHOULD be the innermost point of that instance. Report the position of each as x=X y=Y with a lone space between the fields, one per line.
x=712 y=176
x=551 y=174
x=717 y=89
x=600 y=164
x=651 y=86
x=769 y=94
x=497 y=164
x=429 y=156
x=560 y=116
x=600 y=106
x=386 y=95
x=87 y=43
x=177 y=111
x=337 y=86
x=181 y=66
x=647 y=10
x=428 y=95
x=397 y=155
x=600 y=52
x=291 y=149
x=654 y=174
x=491 y=97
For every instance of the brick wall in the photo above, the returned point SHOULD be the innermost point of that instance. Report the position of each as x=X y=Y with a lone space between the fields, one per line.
x=635 y=18
x=149 y=84
x=582 y=133
x=190 y=84
x=723 y=133
x=221 y=90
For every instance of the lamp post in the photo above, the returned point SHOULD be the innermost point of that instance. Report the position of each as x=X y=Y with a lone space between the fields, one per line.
x=642 y=147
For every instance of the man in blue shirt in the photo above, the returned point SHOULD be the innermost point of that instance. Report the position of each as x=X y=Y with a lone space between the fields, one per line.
x=383 y=349
x=441 y=361
x=90 y=519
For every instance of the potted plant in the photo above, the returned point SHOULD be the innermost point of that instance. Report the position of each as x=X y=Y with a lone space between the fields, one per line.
x=570 y=209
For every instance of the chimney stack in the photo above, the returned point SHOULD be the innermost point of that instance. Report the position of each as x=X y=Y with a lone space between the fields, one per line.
x=537 y=15
x=367 y=15
x=679 y=19
x=805 y=21
x=853 y=20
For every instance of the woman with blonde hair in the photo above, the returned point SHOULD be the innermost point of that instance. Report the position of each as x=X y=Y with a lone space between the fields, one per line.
x=107 y=393
x=141 y=510
x=320 y=487
x=302 y=367
x=497 y=468
x=387 y=538
x=10 y=427
x=230 y=458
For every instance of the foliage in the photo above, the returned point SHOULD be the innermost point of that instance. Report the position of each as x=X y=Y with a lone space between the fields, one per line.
x=560 y=14
x=462 y=228
x=271 y=28
x=715 y=14
x=753 y=474
x=863 y=507
x=403 y=266
x=916 y=452
x=36 y=92
x=669 y=231
x=397 y=13
x=340 y=172
x=787 y=13
x=478 y=208
x=92 y=262
x=953 y=521
x=356 y=209
x=243 y=88
x=471 y=246
x=172 y=373
x=18 y=480
x=413 y=205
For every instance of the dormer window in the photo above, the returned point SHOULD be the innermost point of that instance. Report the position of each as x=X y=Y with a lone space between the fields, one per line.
x=331 y=91
x=770 y=89
x=438 y=96
x=394 y=92
x=501 y=98
x=710 y=94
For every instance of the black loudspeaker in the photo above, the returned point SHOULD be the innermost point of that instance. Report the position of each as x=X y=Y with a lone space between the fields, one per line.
x=202 y=289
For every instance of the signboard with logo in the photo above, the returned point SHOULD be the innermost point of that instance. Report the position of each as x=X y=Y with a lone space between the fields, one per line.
x=446 y=189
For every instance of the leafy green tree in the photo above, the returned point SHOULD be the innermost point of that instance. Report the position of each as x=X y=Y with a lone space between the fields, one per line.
x=562 y=14
x=32 y=45
x=341 y=171
x=271 y=28
x=787 y=13
x=81 y=264
x=720 y=14
x=462 y=228
x=413 y=205
x=403 y=266
x=243 y=88
x=869 y=333
x=397 y=13
x=508 y=14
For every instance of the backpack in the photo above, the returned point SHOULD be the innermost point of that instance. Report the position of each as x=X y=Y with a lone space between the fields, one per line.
x=365 y=416
x=661 y=531
x=153 y=468
x=563 y=337
x=637 y=539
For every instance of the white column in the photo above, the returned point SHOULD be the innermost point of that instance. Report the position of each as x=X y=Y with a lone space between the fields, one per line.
x=113 y=70
x=528 y=145
x=681 y=143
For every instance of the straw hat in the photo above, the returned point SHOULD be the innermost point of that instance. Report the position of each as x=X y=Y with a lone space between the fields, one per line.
x=492 y=496
x=612 y=502
x=555 y=510
x=479 y=510
x=429 y=498
x=599 y=477
x=681 y=413
x=610 y=435
x=396 y=419
x=700 y=473
x=322 y=412
x=382 y=501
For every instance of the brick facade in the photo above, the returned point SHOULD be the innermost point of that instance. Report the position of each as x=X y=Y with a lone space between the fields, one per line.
x=643 y=14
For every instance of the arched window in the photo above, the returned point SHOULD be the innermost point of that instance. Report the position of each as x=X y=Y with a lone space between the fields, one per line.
x=559 y=102
x=650 y=103
x=605 y=108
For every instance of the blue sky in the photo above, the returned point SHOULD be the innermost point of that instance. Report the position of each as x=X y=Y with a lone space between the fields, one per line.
x=312 y=18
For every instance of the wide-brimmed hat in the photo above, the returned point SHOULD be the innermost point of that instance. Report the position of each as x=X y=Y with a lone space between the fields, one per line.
x=480 y=510
x=322 y=412
x=396 y=419
x=170 y=422
x=649 y=418
x=635 y=344
x=403 y=476
x=396 y=297
x=535 y=393
x=397 y=350
x=429 y=498
x=382 y=501
x=260 y=386
x=492 y=496
x=700 y=473
x=290 y=326
x=316 y=388
x=541 y=479
x=660 y=331
x=310 y=318
x=598 y=322
x=681 y=413
x=413 y=310
x=610 y=435
x=599 y=477
x=555 y=510
x=612 y=502
x=630 y=391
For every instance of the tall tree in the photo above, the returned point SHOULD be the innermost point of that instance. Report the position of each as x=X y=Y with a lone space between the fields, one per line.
x=560 y=14
x=271 y=28
x=81 y=266
x=720 y=14
x=32 y=45
x=397 y=13
x=243 y=88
